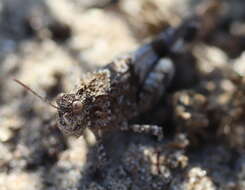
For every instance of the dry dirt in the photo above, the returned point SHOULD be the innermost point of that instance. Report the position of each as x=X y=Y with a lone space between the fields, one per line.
x=50 y=44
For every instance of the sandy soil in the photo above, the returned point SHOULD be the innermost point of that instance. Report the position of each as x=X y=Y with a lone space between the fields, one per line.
x=50 y=44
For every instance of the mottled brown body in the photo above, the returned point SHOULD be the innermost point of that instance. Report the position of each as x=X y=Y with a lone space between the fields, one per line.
x=130 y=85
x=106 y=97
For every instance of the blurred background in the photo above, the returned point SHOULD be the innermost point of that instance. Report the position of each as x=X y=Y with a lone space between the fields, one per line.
x=49 y=44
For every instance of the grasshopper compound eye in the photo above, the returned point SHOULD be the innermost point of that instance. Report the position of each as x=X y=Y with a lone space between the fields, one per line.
x=77 y=106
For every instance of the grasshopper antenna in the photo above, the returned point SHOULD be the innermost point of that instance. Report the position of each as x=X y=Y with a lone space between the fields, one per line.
x=35 y=93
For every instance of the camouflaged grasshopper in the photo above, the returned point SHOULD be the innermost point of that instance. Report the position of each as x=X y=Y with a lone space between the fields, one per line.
x=128 y=86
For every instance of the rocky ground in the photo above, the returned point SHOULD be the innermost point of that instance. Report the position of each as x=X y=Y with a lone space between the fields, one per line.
x=49 y=44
